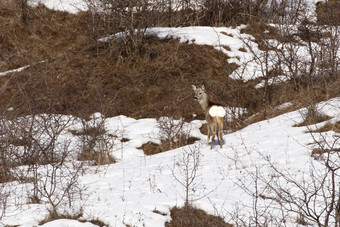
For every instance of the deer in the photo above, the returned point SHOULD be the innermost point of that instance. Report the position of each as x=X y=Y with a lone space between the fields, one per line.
x=214 y=115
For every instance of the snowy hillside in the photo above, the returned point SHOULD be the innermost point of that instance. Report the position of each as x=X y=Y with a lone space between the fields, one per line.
x=72 y=6
x=281 y=171
x=130 y=191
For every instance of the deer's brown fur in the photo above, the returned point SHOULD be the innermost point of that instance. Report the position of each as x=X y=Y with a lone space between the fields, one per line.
x=215 y=123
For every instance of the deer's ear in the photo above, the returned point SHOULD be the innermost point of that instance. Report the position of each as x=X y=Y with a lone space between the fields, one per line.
x=194 y=87
x=203 y=87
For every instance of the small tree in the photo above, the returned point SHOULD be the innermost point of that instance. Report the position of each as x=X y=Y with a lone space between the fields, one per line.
x=188 y=167
x=4 y=194
x=58 y=185
x=186 y=171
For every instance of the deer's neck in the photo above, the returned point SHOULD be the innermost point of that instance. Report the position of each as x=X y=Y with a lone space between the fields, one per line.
x=205 y=103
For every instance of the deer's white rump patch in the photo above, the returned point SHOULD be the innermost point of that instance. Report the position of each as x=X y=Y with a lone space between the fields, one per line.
x=217 y=111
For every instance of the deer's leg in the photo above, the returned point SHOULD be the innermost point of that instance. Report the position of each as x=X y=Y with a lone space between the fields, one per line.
x=221 y=136
x=218 y=134
x=213 y=128
x=209 y=133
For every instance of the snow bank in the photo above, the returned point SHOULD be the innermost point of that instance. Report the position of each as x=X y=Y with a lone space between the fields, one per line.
x=132 y=190
x=71 y=6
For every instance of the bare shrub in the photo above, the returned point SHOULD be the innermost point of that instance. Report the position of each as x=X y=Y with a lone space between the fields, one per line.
x=186 y=172
x=287 y=74
x=321 y=189
x=4 y=195
x=174 y=133
x=31 y=141
x=312 y=116
x=188 y=167
x=95 y=143
x=41 y=137
x=127 y=19
x=312 y=197
x=232 y=12
x=41 y=146
x=219 y=12
x=58 y=186
x=5 y=154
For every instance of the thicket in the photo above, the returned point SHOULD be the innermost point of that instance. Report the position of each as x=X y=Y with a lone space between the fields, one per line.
x=72 y=73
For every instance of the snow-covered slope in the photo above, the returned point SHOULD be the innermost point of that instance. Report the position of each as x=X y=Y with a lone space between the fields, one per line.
x=130 y=191
x=71 y=6
x=140 y=190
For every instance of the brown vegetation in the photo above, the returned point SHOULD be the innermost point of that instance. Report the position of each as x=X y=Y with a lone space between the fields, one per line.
x=81 y=75
x=72 y=73
x=329 y=127
x=312 y=116
x=328 y=12
x=151 y=148
x=193 y=217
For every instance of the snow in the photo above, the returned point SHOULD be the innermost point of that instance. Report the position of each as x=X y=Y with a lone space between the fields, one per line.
x=71 y=6
x=284 y=105
x=129 y=191
x=13 y=71
x=271 y=81
x=228 y=40
x=67 y=223
x=242 y=50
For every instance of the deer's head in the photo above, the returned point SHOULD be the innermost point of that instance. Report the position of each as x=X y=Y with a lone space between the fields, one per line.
x=199 y=92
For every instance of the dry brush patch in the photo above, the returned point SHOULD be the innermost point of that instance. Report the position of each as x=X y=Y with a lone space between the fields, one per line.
x=45 y=34
x=194 y=217
x=329 y=126
x=151 y=148
x=81 y=82
x=83 y=75
x=312 y=116
x=172 y=134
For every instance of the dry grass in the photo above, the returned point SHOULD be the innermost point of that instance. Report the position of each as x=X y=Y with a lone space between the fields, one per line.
x=54 y=216
x=329 y=126
x=97 y=158
x=261 y=32
x=83 y=76
x=312 y=116
x=151 y=148
x=317 y=153
x=328 y=12
x=7 y=176
x=193 y=217
x=45 y=34
x=90 y=137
